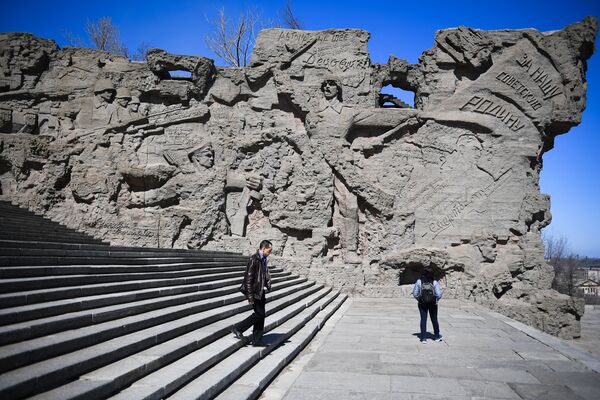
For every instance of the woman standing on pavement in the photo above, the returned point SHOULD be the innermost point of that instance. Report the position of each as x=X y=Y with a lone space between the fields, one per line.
x=428 y=293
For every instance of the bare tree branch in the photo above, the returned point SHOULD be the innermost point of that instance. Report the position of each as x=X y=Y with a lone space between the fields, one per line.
x=141 y=51
x=72 y=39
x=556 y=247
x=232 y=42
x=566 y=264
x=289 y=18
x=105 y=36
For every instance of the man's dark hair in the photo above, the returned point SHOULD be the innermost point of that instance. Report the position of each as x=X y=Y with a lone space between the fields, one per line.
x=264 y=244
x=428 y=273
x=339 y=92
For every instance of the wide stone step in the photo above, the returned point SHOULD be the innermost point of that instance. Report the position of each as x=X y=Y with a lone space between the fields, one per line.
x=12 y=315
x=204 y=346
x=20 y=218
x=52 y=235
x=49 y=235
x=34 y=226
x=10 y=210
x=7 y=210
x=6 y=206
x=223 y=374
x=40 y=310
x=42 y=229
x=44 y=326
x=179 y=317
x=124 y=262
x=57 y=371
x=40 y=238
x=252 y=383
x=129 y=290
x=107 y=253
x=11 y=285
x=77 y=246
x=46 y=260
x=30 y=272
x=59 y=237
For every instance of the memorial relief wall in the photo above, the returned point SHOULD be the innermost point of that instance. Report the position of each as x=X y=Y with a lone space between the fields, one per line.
x=354 y=187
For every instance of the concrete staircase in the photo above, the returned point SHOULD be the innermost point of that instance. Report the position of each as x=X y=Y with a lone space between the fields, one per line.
x=80 y=319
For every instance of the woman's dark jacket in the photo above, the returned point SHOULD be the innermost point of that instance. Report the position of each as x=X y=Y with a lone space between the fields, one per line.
x=256 y=277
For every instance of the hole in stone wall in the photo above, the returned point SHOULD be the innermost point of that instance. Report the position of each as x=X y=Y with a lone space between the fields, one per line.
x=180 y=74
x=5 y=165
x=395 y=97
x=413 y=271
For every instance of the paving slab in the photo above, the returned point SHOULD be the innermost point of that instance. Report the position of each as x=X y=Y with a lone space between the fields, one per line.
x=367 y=383
x=372 y=352
x=529 y=391
x=328 y=394
x=590 y=331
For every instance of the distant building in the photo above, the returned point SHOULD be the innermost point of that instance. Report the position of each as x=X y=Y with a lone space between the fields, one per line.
x=585 y=272
x=594 y=272
x=589 y=288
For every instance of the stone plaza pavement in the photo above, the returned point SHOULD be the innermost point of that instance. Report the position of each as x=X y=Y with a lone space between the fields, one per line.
x=590 y=330
x=369 y=350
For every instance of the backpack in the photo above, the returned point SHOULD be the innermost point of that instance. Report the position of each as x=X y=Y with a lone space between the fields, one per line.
x=427 y=295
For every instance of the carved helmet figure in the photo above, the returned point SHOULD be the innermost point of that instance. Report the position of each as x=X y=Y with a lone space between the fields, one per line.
x=134 y=104
x=104 y=90
x=123 y=93
x=123 y=96
x=104 y=85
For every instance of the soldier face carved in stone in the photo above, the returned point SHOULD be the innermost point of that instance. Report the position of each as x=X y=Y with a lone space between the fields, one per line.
x=123 y=97
x=469 y=148
x=104 y=91
x=203 y=156
x=66 y=119
x=106 y=95
x=134 y=105
x=123 y=102
x=330 y=89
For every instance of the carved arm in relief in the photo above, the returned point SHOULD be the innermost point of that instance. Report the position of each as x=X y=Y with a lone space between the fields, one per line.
x=399 y=121
x=250 y=188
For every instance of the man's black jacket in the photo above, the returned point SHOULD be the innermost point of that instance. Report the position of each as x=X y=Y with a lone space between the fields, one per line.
x=256 y=278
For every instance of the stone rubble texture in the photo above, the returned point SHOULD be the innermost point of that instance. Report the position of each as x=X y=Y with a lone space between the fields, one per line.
x=353 y=188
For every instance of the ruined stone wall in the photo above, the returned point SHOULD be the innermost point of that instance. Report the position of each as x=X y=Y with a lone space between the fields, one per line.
x=354 y=188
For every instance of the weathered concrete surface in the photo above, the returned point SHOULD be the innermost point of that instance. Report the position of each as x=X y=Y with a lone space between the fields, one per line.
x=590 y=331
x=372 y=352
x=300 y=148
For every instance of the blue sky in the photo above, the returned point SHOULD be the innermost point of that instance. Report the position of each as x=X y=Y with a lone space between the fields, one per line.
x=571 y=173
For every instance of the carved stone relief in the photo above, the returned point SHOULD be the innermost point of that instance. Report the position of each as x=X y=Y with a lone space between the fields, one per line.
x=303 y=149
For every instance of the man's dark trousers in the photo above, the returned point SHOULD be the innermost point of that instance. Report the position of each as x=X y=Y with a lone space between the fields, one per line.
x=433 y=311
x=257 y=319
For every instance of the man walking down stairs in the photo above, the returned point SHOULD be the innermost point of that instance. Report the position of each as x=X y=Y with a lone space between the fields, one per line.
x=257 y=281
x=82 y=319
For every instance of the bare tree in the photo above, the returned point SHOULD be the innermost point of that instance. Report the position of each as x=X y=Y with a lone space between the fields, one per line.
x=72 y=39
x=288 y=17
x=105 y=36
x=232 y=42
x=556 y=247
x=570 y=267
x=566 y=264
x=141 y=51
